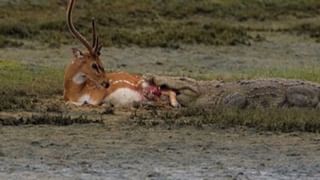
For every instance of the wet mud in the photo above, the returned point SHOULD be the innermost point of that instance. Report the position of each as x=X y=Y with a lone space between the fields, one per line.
x=106 y=151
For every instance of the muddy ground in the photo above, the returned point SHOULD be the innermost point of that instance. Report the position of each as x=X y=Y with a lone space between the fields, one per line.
x=124 y=152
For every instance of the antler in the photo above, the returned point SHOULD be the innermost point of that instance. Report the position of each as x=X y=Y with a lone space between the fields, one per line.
x=94 y=33
x=92 y=49
x=96 y=45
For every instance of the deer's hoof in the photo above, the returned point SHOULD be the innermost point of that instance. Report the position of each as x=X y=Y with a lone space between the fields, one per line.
x=176 y=105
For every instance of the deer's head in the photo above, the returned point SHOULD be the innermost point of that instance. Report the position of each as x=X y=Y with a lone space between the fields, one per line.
x=87 y=63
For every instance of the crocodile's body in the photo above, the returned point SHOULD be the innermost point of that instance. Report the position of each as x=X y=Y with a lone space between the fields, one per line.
x=245 y=93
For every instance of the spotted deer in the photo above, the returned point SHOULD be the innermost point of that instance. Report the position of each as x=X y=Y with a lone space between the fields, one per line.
x=125 y=88
x=86 y=82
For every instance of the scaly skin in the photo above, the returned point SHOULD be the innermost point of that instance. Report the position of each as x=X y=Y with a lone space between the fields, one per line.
x=245 y=93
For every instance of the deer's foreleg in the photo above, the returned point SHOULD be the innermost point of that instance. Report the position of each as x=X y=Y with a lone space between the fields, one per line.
x=172 y=95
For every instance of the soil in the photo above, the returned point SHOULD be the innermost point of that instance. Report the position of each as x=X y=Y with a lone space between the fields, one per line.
x=116 y=148
x=108 y=151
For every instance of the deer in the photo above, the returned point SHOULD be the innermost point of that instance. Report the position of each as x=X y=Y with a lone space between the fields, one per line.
x=84 y=77
x=86 y=82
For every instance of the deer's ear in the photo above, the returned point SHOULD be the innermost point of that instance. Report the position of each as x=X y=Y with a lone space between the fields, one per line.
x=77 y=53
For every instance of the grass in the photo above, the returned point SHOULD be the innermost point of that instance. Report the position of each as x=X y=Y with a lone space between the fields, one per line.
x=6 y=42
x=313 y=30
x=47 y=119
x=20 y=82
x=273 y=119
x=285 y=120
x=15 y=75
x=305 y=73
x=153 y=23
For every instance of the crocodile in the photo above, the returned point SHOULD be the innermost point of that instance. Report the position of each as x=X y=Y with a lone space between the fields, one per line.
x=259 y=93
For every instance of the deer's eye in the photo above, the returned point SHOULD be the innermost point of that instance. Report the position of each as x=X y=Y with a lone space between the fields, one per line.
x=95 y=67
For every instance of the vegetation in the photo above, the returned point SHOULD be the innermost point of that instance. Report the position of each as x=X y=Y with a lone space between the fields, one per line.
x=19 y=83
x=274 y=119
x=146 y=23
x=305 y=73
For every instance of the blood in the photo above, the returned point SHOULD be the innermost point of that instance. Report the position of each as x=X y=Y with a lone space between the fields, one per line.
x=152 y=91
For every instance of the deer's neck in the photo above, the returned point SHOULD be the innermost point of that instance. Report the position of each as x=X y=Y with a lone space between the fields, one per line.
x=74 y=83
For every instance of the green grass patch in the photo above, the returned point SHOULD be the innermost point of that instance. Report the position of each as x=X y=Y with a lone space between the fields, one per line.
x=303 y=73
x=30 y=78
x=20 y=82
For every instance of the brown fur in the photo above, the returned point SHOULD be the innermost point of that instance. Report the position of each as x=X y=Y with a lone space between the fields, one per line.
x=137 y=82
x=92 y=86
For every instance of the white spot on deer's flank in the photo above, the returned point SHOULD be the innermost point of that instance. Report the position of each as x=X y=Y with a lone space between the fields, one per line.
x=79 y=78
x=123 y=97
